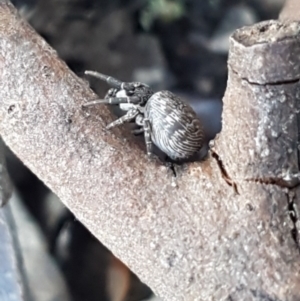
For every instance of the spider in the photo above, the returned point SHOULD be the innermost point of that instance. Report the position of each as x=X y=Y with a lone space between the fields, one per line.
x=165 y=119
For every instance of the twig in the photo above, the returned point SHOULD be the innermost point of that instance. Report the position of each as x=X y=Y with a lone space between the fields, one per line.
x=224 y=233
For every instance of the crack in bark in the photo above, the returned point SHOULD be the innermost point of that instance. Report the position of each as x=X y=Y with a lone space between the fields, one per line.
x=224 y=173
x=275 y=83
x=276 y=181
x=291 y=206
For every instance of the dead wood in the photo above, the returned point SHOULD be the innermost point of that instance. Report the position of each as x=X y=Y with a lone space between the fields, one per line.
x=290 y=11
x=228 y=230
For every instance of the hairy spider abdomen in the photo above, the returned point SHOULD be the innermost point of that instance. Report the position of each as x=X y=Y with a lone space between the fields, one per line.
x=175 y=127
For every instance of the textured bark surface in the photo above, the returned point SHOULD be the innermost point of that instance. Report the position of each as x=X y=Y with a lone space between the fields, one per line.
x=228 y=230
x=290 y=11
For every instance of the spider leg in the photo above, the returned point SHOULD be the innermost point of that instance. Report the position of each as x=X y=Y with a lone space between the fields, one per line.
x=130 y=115
x=147 y=134
x=112 y=92
x=139 y=120
x=109 y=79
x=112 y=101
x=137 y=131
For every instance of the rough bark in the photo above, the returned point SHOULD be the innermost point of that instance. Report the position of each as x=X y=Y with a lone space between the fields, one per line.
x=290 y=11
x=228 y=230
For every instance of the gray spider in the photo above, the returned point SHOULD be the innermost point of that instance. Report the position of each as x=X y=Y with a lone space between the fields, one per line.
x=165 y=119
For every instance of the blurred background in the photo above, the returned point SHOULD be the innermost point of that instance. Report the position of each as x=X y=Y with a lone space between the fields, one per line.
x=178 y=45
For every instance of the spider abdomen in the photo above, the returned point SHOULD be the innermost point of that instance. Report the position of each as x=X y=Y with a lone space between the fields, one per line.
x=175 y=127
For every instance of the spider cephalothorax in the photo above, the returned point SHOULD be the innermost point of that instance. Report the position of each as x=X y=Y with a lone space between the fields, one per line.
x=165 y=119
x=136 y=93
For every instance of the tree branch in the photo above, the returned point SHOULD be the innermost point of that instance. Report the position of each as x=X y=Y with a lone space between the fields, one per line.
x=228 y=230
x=290 y=11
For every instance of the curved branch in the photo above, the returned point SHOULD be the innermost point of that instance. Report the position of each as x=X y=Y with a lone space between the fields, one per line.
x=224 y=231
